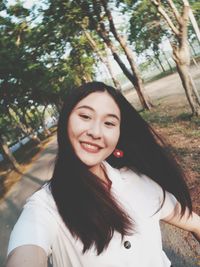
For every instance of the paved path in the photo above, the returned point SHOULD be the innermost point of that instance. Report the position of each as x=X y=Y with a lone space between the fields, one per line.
x=165 y=88
x=10 y=209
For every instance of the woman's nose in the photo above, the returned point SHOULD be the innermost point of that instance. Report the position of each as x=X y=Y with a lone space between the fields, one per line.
x=95 y=130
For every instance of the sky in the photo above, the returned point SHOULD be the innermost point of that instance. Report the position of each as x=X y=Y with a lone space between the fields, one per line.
x=27 y=3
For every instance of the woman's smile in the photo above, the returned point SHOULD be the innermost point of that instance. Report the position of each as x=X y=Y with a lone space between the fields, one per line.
x=89 y=147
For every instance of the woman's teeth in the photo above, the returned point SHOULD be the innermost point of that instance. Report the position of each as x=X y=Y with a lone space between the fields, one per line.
x=89 y=147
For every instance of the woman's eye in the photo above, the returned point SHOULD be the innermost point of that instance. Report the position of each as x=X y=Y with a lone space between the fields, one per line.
x=108 y=123
x=84 y=116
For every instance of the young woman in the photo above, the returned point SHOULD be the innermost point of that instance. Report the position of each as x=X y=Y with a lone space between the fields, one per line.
x=113 y=182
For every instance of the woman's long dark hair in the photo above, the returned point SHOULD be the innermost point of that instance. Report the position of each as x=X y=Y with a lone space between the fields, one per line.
x=89 y=211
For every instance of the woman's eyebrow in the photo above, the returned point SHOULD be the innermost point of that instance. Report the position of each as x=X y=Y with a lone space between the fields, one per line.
x=114 y=116
x=84 y=106
x=90 y=108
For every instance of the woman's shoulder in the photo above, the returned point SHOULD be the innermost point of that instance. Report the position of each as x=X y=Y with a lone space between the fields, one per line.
x=133 y=178
x=150 y=190
x=42 y=198
x=37 y=223
x=140 y=180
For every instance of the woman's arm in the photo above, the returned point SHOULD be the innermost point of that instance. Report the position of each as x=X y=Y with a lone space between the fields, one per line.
x=186 y=222
x=27 y=256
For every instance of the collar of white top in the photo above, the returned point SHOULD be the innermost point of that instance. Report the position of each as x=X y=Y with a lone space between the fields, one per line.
x=114 y=175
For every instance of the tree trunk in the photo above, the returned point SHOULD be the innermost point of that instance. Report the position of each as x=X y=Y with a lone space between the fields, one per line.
x=160 y=63
x=138 y=84
x=18 y=125
x=7 y=154
x=195 y=63
x=27 y=129
x=30 y=132
x=181 y=52
x=46 y=130
x=104 y=60
x=182 y=59
x=133 y=79
x=109 y=67
x=152 y=59
x=42 y=119
x=192 y=47
x=193 y=21
x=144 y=99
x=27 y=116
x=189 y=89
x=55 y=111
x=170 y=67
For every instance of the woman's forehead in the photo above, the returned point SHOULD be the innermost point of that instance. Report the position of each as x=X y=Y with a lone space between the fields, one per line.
x=99 y=101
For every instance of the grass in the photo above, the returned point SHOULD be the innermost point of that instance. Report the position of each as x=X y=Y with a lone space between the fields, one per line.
x=161 y=75
x=177 y=119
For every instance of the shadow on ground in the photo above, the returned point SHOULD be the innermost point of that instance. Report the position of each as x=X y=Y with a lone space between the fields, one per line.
x=180 y=246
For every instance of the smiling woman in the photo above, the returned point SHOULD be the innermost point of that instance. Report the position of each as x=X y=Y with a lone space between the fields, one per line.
x=112 y=183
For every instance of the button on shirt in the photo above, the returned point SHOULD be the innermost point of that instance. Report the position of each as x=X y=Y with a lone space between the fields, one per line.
x=40 y=224
x=127 y=244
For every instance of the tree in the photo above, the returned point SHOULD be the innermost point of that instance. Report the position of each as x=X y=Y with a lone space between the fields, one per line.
x=178 y=25
x=20 y=74
x=138 y=84
x=81 y=60
x=192 y=18
x=93 y=10
x=7 y=154
x=6 y=128
x=34 y=73
x=54 y=35
x=146 y=32
x=104 y=59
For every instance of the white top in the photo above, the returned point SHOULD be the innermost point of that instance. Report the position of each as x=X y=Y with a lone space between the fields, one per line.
x=40 y=224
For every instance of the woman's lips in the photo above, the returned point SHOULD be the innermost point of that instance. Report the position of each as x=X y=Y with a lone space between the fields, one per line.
x=92 y=148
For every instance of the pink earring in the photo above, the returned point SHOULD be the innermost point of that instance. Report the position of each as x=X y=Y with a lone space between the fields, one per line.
x=118 y=153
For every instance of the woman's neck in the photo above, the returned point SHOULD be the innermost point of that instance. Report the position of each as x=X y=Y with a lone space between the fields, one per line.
x=100 y=171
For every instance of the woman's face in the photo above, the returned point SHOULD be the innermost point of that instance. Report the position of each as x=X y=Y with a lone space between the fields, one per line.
x=94 y=128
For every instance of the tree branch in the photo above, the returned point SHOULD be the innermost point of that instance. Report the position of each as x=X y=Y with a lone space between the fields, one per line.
x=184 y=24
x=174 y=10
x=166 y=17
x=185 y=15
x=110 y=18
x=93 y=45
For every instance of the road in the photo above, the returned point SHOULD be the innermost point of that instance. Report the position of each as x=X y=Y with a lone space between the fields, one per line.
x=10 y=208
